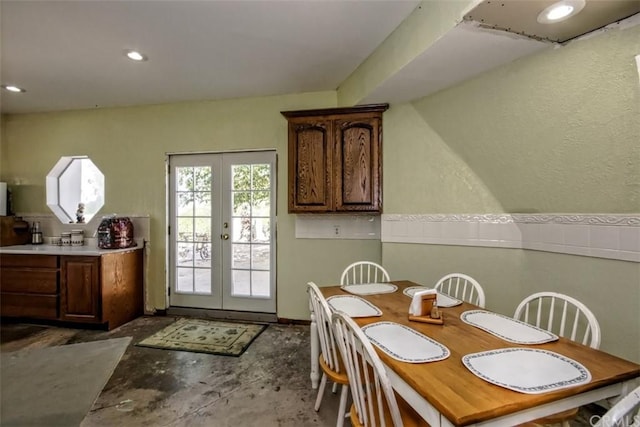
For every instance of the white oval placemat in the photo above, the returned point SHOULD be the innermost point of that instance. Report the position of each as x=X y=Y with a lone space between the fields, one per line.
x=405 y=344
x=527 y=370
x=370 y=288
x=508 y=329
x=353 y=306
x=443 y=299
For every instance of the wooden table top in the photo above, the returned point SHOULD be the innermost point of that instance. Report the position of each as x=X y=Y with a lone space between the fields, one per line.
x=450 y=387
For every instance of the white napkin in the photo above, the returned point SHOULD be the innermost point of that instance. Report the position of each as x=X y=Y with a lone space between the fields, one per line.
x=415 y=309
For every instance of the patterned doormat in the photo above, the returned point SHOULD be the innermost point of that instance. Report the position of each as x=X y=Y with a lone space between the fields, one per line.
x=205 y=336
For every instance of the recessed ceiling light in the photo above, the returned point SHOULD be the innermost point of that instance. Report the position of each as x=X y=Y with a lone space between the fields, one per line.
x=12 y=88
x=560 y=11
x=134 y=55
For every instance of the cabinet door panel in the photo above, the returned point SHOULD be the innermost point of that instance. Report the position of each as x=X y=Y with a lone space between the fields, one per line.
x=310 y=167
x=80 y=289
x=358 y=180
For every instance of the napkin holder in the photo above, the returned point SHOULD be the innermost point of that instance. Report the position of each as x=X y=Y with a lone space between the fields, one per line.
x=429 y=312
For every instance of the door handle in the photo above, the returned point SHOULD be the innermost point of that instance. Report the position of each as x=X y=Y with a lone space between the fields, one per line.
x=224 y=236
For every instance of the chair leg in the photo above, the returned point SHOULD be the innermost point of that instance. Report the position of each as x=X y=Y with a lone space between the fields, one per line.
x=343 y=405
x=334 y=388
x=323 y=383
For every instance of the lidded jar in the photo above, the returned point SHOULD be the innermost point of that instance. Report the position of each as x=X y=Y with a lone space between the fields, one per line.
x=65 y=238
x=77 y=237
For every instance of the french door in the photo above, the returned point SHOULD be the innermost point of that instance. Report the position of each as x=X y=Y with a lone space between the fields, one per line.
x=222 y=231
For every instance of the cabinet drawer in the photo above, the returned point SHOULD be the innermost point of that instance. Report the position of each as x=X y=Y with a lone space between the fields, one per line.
x=35 y=261
x=25 y=305
x=29 y=281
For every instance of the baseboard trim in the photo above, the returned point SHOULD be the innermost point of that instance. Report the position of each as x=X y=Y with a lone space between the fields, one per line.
x=285 y=321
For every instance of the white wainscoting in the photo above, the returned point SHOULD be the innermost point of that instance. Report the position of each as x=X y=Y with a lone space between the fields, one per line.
x=598 y=235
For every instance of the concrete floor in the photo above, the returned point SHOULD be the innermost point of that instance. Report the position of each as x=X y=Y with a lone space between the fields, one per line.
x=267 y=386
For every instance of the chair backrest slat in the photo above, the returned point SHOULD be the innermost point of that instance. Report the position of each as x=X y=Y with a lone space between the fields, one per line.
x=563 y=320
x=574 y=315
x=551 y=314
x=574 y=329
x=539 y=316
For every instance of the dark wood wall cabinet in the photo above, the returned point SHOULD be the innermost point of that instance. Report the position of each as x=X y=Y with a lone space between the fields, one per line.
x=104 y=289
x=335 y=159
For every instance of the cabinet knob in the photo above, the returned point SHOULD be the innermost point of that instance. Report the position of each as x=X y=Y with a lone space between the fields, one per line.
x=224 y=236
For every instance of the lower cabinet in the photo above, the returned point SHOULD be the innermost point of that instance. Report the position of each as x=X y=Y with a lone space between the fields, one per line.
x=80 y=289
x=105 y=289
x=30 y=286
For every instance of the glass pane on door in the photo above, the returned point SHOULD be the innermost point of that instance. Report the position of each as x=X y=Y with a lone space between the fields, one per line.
x=193 y=234
x=251 y=230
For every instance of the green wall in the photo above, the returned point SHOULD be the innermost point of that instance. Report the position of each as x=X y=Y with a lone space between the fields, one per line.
x=547 y=130
x=129 y=145
x=555 y=132
x=422 y=174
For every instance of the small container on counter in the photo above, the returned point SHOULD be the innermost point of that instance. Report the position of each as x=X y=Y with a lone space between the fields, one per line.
x=65 y=238
x=36 y=234
x=77 y=238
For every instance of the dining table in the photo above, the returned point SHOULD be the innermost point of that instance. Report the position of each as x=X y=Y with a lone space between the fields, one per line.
x=445 y=392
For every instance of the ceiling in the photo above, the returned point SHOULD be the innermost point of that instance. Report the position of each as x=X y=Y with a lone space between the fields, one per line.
x=70 y=54
x=520 y=17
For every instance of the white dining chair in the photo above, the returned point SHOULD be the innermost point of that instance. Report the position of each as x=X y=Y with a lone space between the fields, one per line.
x=363 y=272
x=564 y=316
x=375 y=404
x=329 y=360
x=625 y=413
x=462 y=287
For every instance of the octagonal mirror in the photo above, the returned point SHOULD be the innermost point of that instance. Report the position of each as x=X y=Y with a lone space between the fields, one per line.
x=75 y=189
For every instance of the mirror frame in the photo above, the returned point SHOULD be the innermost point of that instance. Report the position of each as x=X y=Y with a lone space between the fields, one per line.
x=53 y=189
